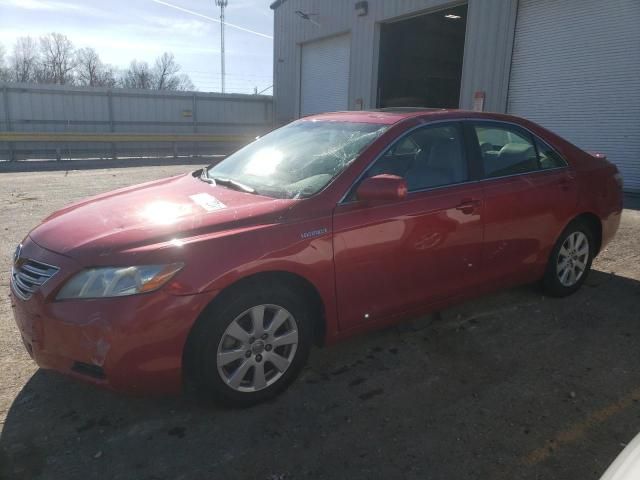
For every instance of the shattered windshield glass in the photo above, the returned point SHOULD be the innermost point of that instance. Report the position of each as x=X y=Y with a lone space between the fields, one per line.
x=299 y=159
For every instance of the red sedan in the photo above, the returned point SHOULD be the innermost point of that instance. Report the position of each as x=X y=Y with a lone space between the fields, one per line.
x=333 y=225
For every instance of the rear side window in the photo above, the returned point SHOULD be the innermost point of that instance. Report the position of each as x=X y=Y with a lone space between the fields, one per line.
x=549 y=158
x=508 y=150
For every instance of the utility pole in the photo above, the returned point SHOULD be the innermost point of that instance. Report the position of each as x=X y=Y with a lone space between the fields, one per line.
x=222 y=4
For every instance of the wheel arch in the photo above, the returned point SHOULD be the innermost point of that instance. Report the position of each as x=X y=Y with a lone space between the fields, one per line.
x=293 y=280
x=592 y=220
x=595 y=224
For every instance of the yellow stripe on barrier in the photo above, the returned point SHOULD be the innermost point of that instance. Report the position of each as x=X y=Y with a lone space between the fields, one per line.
x=120 y=137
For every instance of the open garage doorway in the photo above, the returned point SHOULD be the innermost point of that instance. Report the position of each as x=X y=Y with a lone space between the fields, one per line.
x=421 y=60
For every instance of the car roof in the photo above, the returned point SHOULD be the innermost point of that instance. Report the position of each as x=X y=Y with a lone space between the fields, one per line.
x=389 y=116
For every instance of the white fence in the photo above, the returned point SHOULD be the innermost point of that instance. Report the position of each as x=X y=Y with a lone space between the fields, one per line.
x=194 y=123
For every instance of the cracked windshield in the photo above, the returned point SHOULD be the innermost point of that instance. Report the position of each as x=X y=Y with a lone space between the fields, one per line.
x=298 y=160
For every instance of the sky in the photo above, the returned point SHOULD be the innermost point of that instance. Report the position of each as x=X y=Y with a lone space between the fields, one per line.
x=123 y=30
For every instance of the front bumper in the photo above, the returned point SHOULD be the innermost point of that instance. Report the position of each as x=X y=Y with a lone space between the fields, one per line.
x=131 y=344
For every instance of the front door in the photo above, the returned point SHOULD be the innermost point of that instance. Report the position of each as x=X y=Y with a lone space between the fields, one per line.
x=397 y=257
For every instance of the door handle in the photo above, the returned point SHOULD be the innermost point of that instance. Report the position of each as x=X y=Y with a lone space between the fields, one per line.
x=468 y=206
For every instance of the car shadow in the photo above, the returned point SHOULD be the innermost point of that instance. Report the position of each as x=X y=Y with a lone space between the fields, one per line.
x=96 y=164
x=469 y=394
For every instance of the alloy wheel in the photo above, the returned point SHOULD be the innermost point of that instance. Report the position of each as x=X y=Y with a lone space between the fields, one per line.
x=573 y=258
x=257 y=348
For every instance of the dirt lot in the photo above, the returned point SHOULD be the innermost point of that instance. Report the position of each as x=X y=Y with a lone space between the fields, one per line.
x=512 y=386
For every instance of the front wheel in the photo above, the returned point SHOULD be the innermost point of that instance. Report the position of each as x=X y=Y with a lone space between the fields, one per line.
x=570 y=260
x=250 y=347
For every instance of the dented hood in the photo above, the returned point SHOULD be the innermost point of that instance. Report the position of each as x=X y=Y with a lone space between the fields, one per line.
x=153 y=213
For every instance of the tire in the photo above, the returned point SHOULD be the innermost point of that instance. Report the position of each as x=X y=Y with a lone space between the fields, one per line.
x=238 y=361
x=570 y=260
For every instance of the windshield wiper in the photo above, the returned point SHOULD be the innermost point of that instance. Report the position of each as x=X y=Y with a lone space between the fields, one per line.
x=227 y=182
x=204 y=176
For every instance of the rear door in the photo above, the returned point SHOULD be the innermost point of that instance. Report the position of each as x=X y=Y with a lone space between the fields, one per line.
x=397 y=257
x=529 y=196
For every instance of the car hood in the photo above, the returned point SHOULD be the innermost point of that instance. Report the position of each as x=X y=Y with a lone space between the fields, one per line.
x=152 y=213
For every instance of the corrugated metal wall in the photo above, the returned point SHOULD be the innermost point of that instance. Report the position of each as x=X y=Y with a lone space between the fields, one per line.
x=50 y=108
x=324 y=82
x=579 y=75
x=489 y=41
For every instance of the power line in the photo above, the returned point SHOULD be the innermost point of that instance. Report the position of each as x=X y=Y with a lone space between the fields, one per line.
x=239 y=75
x=191 y=12
x=247 y=85
x=235 y=83
x=213 y=81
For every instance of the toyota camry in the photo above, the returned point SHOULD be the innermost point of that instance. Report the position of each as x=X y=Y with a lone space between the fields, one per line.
x=331 y=226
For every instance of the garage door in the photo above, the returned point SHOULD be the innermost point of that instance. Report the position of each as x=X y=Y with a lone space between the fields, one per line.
x=324 y=75
x=576 y=71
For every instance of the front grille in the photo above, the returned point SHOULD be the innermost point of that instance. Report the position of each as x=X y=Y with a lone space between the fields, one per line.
x=28 y=275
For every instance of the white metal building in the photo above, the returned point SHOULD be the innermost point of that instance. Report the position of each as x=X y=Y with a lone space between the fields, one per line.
x=571 y=65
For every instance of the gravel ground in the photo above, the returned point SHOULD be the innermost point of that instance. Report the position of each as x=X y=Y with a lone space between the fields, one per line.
x=511 y=386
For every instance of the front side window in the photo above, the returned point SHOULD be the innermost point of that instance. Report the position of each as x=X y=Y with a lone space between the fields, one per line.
x=428 y=157
x=296 y=160
x=507 y=150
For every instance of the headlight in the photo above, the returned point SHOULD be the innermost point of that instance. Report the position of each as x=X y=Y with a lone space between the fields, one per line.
x=117 y=281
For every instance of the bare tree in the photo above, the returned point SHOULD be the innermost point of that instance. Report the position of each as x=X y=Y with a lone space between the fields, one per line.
x=166 y=74
x=90 y=71
x=108 y=77
x=185 y=83
x=57 y=58
x=88 y=66
x=4 y=71
x=163 y=76
x=24 y=62
x=138 y=75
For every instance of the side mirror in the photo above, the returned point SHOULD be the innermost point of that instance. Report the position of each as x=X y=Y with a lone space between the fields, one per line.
x=382 y=188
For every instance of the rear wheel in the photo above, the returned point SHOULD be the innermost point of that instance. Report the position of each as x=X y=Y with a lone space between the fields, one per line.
x=251 y=347
x=570 y=261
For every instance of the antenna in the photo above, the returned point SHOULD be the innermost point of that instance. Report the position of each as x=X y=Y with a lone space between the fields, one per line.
x=222 y=4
